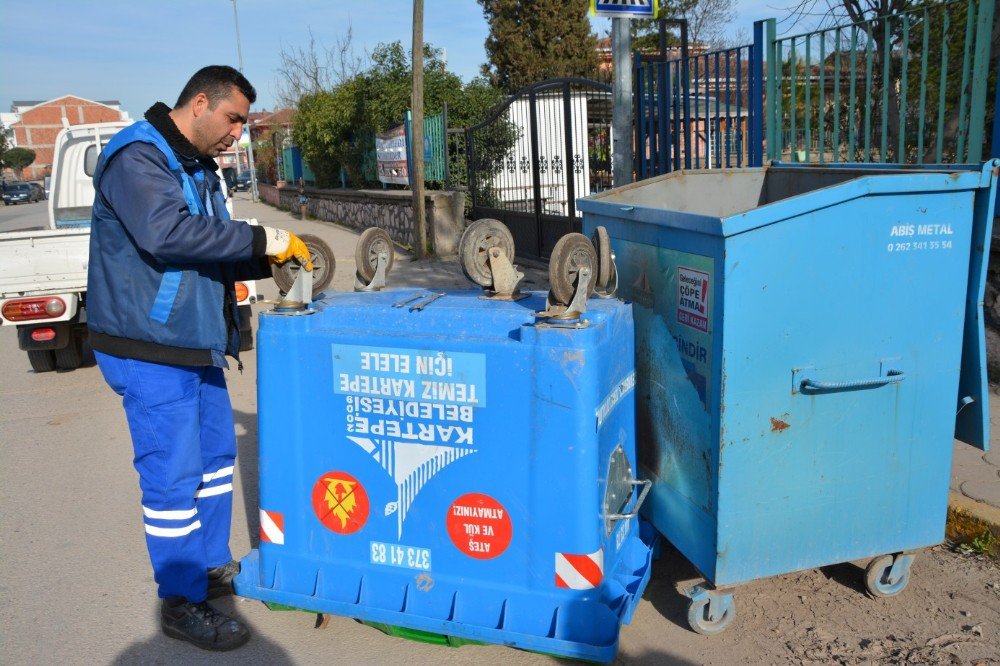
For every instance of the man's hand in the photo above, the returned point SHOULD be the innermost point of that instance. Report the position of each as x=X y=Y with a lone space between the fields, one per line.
x=283 y=245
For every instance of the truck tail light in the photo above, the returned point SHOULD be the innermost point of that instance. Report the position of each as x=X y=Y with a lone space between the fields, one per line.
x=26 y=309
x=43 y=334
x=241 y=292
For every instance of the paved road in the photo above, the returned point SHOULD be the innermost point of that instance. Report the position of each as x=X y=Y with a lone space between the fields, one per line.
x=24 y=216
x=75 y=584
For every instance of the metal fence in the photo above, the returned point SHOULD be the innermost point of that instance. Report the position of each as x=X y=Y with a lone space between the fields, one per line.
x=905 y=88
x=436 y=167
x=702 y=111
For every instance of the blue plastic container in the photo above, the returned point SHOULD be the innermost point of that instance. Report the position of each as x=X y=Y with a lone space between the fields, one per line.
x=451 y=469
x=805 y=337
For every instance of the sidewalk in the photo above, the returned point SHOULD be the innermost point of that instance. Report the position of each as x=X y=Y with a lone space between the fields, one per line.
x=974 y=502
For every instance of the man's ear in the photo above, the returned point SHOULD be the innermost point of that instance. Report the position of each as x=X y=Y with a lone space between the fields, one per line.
x=199 y=104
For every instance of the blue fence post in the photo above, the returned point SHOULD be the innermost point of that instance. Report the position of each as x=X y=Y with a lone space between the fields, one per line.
x=755 y=146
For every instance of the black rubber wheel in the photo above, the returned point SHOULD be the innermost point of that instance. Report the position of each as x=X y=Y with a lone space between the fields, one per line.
x=246 y=340
x=71 y=356
x=323 y=261
x=373 y=240
x=602 y=243
x=42 y=360
x=473 y=249
x=571 y=253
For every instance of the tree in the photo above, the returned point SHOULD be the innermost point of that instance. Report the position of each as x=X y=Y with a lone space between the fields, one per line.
x=707 y=23
x=308 y=71
x=532 y=40
x=18 y=158
x=3 y=144
x=337 y=126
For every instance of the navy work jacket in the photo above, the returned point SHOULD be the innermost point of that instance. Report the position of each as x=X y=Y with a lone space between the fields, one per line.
x=164 y=255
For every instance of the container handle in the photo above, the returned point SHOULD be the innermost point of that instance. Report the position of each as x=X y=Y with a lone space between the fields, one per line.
x=646 y=485
x=891 y=377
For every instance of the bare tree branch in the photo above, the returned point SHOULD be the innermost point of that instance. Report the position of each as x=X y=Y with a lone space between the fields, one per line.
x=311 y=69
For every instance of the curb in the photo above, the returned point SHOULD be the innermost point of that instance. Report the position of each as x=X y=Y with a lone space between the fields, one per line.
x=967 y=518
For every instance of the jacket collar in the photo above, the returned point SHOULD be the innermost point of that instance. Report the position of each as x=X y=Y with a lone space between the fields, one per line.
x=158 y=116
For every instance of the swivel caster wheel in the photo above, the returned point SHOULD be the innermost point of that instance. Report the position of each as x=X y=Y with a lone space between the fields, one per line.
x=323 y=261
x=571 y=254
x=710 y=612
x=373 y=241
x=888 y=575
x=474 y=249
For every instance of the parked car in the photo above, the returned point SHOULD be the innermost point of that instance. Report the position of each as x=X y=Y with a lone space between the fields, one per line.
x=229 y=177
x=20 y=193
x=42 y=194
x=242 y=182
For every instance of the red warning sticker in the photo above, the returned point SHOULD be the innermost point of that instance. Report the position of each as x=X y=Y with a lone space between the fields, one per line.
x=479 y=526
x=340 y=502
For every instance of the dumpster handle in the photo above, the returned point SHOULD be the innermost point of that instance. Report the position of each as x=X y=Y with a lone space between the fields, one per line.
x=891 y=377
x=646 y=485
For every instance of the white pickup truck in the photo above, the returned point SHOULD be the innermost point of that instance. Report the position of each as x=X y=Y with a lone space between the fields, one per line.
x=43 y=273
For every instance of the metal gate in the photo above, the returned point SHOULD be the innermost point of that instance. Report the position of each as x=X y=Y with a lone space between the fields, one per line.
x=535 y=154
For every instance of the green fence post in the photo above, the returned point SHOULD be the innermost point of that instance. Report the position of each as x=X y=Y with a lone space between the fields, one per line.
x=961 y=152
x=981 y=69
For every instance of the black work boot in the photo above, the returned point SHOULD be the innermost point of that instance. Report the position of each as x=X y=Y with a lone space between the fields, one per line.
x=202 y=625
x=220 y=579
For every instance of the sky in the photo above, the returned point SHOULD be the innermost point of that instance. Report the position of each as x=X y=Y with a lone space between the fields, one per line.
x=140 y=52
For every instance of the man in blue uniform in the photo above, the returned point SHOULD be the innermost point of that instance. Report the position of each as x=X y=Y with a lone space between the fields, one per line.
x=162 y=317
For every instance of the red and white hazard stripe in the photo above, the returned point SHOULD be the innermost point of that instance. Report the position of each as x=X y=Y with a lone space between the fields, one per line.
x=272 y=527
x=579 y=572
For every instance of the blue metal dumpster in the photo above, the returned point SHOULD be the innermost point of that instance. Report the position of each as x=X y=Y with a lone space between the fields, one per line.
x=804 y=339
x=458 y=469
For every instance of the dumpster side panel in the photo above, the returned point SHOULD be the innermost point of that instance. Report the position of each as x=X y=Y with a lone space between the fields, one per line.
x=848 y=293
x=973 y=421
x=671 y=276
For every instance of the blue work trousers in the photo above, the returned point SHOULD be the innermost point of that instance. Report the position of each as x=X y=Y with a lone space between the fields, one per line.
x=184 y=441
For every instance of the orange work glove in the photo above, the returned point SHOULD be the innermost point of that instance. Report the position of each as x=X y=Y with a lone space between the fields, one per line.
x=283 y=246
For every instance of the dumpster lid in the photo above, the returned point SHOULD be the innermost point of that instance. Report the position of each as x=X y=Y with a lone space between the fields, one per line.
x=727 y=202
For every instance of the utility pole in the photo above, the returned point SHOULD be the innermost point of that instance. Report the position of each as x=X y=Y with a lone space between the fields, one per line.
x=621 y=119
x=253 y=170
x=417 y=129
x=239 y=49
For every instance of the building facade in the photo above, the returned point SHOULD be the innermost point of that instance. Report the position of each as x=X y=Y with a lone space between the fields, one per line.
x=39 y=122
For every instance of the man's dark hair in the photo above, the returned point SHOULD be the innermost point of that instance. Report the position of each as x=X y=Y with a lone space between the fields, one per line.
x=217 y=82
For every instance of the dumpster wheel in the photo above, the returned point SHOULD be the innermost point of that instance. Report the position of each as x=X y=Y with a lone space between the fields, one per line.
x=572 y=252
x=700 y=610
x=474 y=247
x=888 y=575
x=602 y=243
x=373 y=241
x=323 y=261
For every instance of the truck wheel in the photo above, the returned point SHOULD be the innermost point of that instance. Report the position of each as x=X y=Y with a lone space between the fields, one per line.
x=246 y=340
x=42 y=360
x=71 y=356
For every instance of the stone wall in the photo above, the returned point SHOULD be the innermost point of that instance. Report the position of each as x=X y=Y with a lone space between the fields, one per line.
x=391 y=210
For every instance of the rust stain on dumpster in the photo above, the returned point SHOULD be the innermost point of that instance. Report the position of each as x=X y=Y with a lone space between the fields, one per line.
x=777 y=425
